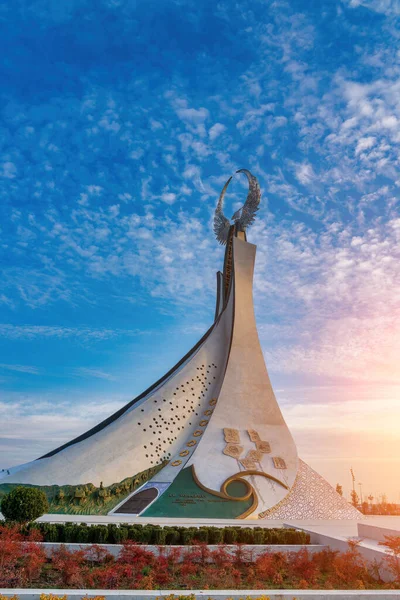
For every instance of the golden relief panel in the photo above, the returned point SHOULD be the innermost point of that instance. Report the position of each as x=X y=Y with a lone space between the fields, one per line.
x=198 y=433
x=213 y=402
x=208 y=412
x=203 y=423
x=232 y=436
x=233 y=450
x=176 y=463
x=191 y=443
x=184 y=453
x=253 y=435
x=264 y=447
x=254 y=455
x=279 y=462
x=248 y=464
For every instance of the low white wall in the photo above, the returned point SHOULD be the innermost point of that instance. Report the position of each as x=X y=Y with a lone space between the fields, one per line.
x=212 y=594
x=376 y=532
x=250 y=551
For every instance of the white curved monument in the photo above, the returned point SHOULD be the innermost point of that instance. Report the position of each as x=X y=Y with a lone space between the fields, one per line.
x=208 y=439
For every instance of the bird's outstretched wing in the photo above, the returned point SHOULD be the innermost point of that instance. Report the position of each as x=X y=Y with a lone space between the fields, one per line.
x=221 y=223
x=250 y=207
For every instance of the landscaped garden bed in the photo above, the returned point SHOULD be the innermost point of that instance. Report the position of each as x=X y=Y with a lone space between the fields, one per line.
x=24 y=564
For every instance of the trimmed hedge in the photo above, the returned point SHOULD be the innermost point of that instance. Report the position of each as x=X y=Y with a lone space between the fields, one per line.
x=170 y=536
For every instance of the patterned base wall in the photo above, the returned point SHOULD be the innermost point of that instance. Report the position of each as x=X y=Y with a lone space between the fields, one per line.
x=311 y=498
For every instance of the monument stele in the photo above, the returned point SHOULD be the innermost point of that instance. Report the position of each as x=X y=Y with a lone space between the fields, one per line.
x=208 y=439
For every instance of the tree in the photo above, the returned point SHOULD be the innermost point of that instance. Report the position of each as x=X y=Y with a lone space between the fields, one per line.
x=339 y=489
x=354 y=498
x=24 y=504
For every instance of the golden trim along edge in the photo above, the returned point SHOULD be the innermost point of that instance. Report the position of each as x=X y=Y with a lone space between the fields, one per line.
x=223 y=493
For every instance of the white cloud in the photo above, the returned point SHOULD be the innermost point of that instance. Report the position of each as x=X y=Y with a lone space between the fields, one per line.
x=305 y=173
x=216 y=130
x=20 y=369
x=194 y=119
x=155 y=125
x=8 y=170
x=30 y=332
x=97 y=373
x=387 y=7
x=168 y=197
x=192 y=115
x=137 y=154
x=253 y=118
x=365 y=144
x=28 y=419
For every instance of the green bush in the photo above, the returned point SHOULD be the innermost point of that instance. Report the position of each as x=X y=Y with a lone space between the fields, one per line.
x=258 y=536
x=146 y=534
x=246 y=536
x=71 y=533
x=133 y=533
x=24 y=504
x=293 y=536
x=202 y=535
x=98 y=534
x=115 y=533
x=188 y=535
x=159 y=536
x=274 y=536
x=123 y=534
x=173 y=536
x=82 y=533
x=49 y=532
x=215 y=535
x=60 y=530
x=230 y=535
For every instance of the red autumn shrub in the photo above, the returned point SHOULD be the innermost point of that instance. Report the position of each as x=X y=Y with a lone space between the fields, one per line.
x=265 y=566
x=199 y=554
x=350 y=569
x=69 y=568
x=96 y=555
x=242 y=555
x=173 y=557
x=104 y=577
x=9 y=556
x=161 y=572
x=392 y=544
x=221 y=557
x=272 y=568
x=303 y=568
x=135 y=555
x=324 y=560
x=23 y=564
x=21 y=559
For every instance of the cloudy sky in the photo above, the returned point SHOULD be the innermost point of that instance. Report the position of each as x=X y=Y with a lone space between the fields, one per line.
x=120 y=120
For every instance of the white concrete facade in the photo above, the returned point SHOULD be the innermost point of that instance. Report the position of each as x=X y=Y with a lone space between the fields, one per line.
x=246 y=400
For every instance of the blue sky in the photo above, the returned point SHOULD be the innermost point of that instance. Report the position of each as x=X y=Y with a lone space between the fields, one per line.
x=120 y=121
